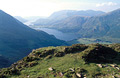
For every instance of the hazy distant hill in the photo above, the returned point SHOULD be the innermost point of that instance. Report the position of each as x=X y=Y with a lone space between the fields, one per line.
x=17 y=39
x=33 y=18
x=71 y=24
x=67 y=13
x=21 y=19
x=28 y=20
x=60 y=15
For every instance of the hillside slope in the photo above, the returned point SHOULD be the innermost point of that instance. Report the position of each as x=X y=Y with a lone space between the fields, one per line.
x=76 y=61
x=17 y=39
x=105 y=25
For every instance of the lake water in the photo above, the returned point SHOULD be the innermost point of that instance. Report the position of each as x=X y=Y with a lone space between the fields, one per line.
x=58 y=34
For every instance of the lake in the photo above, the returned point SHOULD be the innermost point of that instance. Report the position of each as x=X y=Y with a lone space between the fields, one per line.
x=58 y=34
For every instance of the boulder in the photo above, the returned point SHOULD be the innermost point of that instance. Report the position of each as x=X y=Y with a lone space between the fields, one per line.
x=61 y=74
x=99 y=65
x=113 y=65
x=71 y=69
x=117 y=68
x=79 y=75
x=51 y=69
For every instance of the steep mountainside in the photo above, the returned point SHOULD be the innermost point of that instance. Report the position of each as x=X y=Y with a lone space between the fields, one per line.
x=17 y=39
x=72 y=24
x=105 y=25
x=76 y=61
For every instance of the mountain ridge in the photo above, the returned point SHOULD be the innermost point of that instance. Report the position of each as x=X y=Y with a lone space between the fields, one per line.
x=63 y=14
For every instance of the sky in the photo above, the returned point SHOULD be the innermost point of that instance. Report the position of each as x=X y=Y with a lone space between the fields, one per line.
x=45 y=8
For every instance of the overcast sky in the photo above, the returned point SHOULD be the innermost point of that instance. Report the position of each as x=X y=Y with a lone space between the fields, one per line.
x=46 y=7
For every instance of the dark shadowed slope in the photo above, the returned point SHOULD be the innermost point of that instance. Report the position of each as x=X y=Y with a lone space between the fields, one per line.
x=4 y=62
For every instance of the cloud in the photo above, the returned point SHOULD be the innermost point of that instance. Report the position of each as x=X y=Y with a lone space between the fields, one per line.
x=106 y=4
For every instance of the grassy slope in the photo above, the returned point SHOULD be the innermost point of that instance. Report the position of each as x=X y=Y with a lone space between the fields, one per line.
x=62 y=59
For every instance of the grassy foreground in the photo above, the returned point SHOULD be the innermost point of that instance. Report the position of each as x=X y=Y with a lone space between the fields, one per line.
x=76 y=61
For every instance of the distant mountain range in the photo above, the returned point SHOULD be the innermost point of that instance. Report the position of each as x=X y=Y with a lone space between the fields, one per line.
x=67 y=13
x=28 y=20
x=17 y=39
x=105 y=26
x=61 y=15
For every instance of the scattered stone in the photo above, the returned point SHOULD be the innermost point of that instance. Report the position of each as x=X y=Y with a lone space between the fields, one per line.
x=51 y=69
x=114 y=65
x=113 y=76
x=79 y=75
x=71 y=69
x=28 y=76
x=15 y=63
x=99 y=65
x=117 y=68
x=61 y=74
